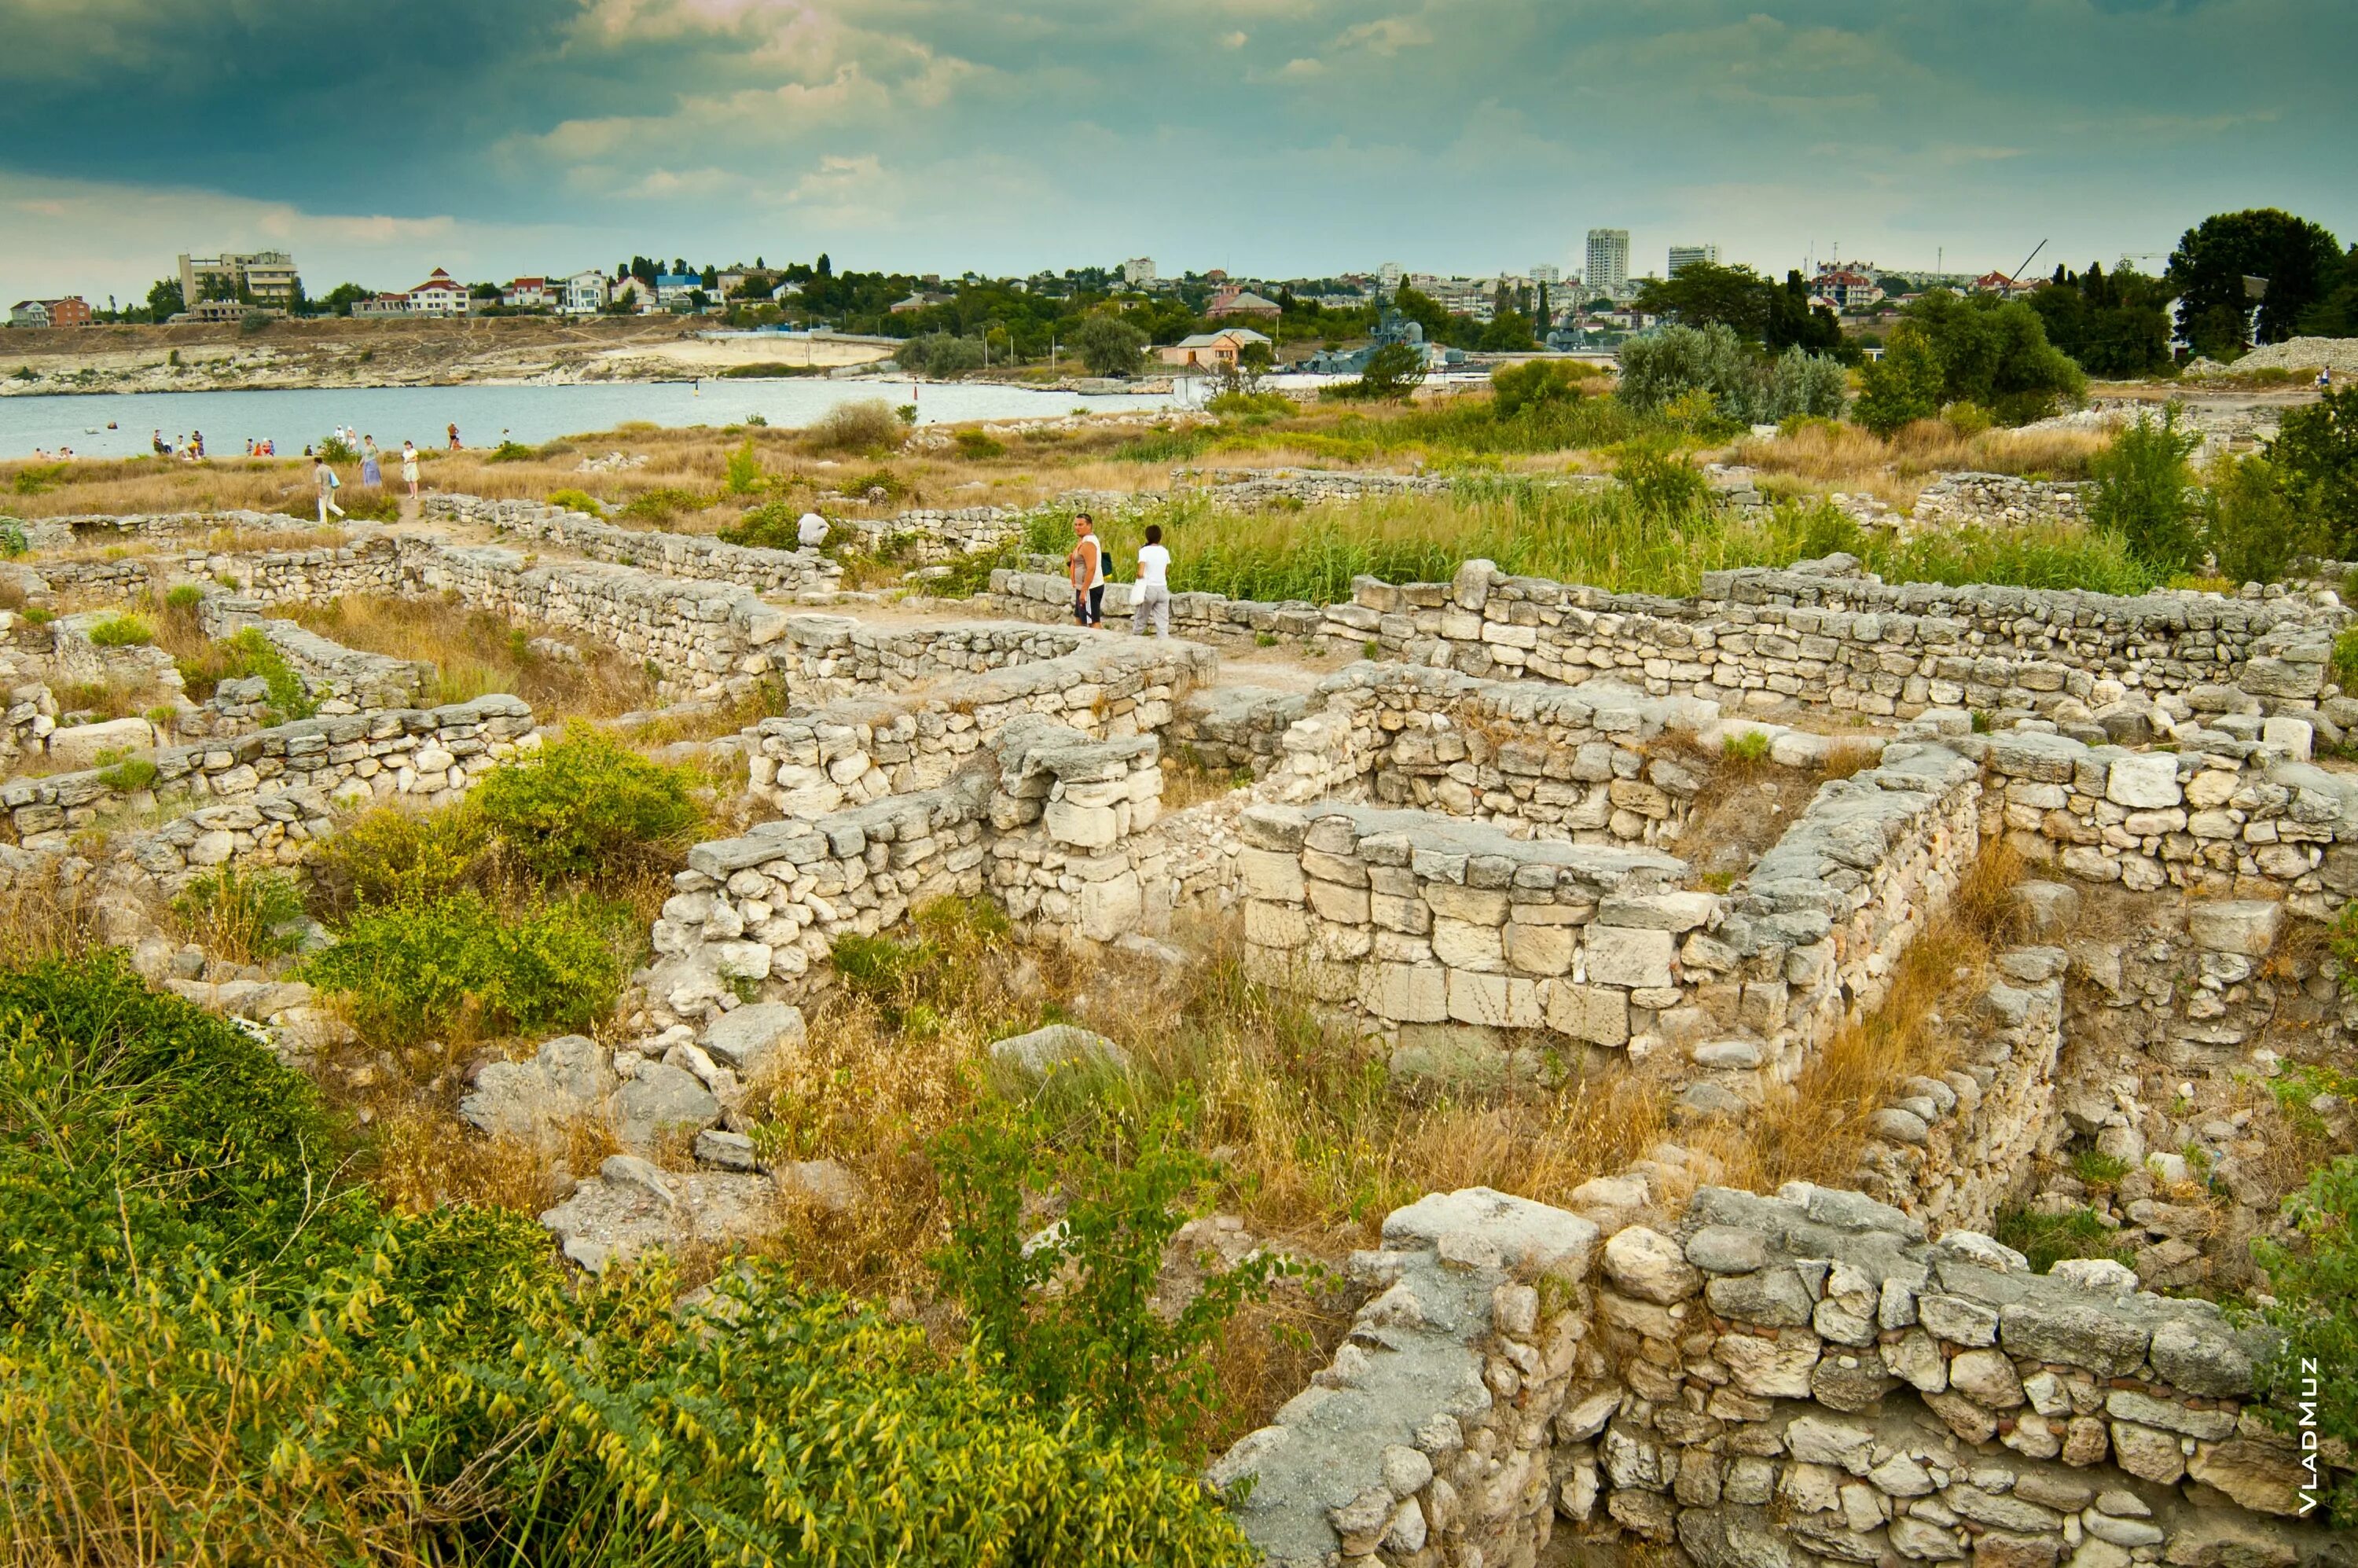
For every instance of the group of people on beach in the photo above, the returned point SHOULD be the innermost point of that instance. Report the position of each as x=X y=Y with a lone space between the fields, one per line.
x=1149 y=601
x=323 y=472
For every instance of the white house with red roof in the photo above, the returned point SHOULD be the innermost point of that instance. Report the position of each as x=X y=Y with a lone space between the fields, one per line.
x=531 y=294
x=440 y=294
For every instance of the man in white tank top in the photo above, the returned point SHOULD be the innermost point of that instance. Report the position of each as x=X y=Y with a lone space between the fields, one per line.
x=1153 y=598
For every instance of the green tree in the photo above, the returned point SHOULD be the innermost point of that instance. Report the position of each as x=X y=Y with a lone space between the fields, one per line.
x=1902 y=386
x=2144 y=491
x=1394 y=371
x=1108 y=345
x=1794 y=322
x=1994 y=354
x=2336 y=315
x=2315 y=455
x=2256 y=531
x=1425 y=310
x=1508 y=332
x=164 y=299
x=1531 y=384
x=2110 y=324
x=2300 y=261
x=340 y=300
x=1704 y=293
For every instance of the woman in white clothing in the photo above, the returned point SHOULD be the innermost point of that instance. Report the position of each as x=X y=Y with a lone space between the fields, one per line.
x=1152 y=596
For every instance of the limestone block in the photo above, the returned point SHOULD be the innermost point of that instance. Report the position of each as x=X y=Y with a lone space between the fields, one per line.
x=1270 y=874
x=1280 y=925
x=2147 y=781
x=1540 y=949
x=1463 y=944
x=1626 y=955
x=1405 y=993
x=2247 y=926
x=1599 y=1014
x=1648 y=1265
x=1496 y=1001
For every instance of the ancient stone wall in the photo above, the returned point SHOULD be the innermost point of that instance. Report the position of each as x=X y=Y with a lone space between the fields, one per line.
x=418 y=752
x=1767 y=1383
x=688 y=555
x=1995 y=500
x=1842 y=641
x=339 y=679
x=1043 y=814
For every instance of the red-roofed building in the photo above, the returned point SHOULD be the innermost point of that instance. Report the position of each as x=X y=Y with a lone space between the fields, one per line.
x=440 y=294
x=530 y=294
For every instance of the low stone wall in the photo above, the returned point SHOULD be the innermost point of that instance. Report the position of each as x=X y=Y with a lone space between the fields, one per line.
x=1473 y=953
x=687 y=555
x=854 y=749
x=74 y=657
x=419 y=752
x=930 y=535
x=269 y=827
x=2220 y=815
x=1041 y=815
x=1228 y=728
x=160 y=525
x=1995 y=500
x=824 y=656
x=339 y=679
x=1832 y=639
x=1767 y=1383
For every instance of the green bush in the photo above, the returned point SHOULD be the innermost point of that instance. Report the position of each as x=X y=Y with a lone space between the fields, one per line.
x=128 y=774
x=511 y=452
x=587 y=805
x=2316 y=457
x=579 y=501
x=1238 y=404
x=1070 y=1319
x=1907 y=384
x=184 y=598
x=244 y=917
x=121 y=631
x=440 y=966
x=744 y=471
x=245 y=654
x=2048 y=1239
x=1660 y=481
x=661 y=507
x=2144 y=492
x=876 y=483
x=1532 y=384
x=2256 y=530
x=975 y=444
x=12 y=542
x=389 y=857
x=225 y=1351
x=868 y=424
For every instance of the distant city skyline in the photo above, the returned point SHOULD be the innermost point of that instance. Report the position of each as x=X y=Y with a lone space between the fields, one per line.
x=1320 y=136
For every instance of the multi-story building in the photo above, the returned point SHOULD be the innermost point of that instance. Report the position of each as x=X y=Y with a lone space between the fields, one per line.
x=267 y=277
x=440 y=294
x=1138 y=272
x=1389 y=276
x=1845 y=288
x=71 y=311
x=1685 y=257
x=585 y=293
x=529 y=293
x=1547 y=274
x=1608 y=262
x=380 y=305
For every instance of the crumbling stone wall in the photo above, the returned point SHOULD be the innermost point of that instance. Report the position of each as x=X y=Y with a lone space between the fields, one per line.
x=687 y=555
x=1995 y=500
x=420 y=753
x=339 y=679
x=1044 y=816
x=1767 y=1383
x=1838 y=640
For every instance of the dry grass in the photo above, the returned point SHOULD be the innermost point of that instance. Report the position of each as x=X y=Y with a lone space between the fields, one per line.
x=1848 y=457
x=1816 y=1128
x=477 y=651
x=423 y=1157
x=42 y=918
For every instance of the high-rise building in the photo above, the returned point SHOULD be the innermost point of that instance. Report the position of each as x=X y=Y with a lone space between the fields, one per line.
x=266 y=276
x=1684 y=256
x=1389 y=276
x=1547 y=274
x=1608 y=261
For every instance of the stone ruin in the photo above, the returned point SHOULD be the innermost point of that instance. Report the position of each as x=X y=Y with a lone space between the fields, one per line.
x=1461 y=835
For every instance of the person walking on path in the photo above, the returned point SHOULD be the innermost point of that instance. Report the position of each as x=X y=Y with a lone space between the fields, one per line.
x=1152 y=596
x=324 y=478
x=372 y=470
x=454 y=436
x=409 y=466
x=1086 y=566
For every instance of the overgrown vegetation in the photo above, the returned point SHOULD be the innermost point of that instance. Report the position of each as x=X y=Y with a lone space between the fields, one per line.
x=222 y=1349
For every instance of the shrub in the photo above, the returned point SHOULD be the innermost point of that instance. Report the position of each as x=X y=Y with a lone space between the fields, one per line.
x=1108 y=345
x=2256 y=530
x=662 y=506
x=121 y=631
x=1531 y=384
x=1660 y=369
x=2048 y=1239
x=579 y=501
x=388 y=856
x=1070 y=1318
x=2316 y=458
x=225 y=1351
x=975 y=444
x=940 y=355
x=2144 y=492
x=867 y=485
x=744 y=470
x=768 y=526
x=587 y=805
x=335 y=450
x=244 y=918
x=459 y=964
x=184 y=598
x=511 y=452
x=868 y=424
x=1905 y=385
x=12 y=542
x=1660 y=481
x=243 y=655
x=1238 y=404
x=130 y=774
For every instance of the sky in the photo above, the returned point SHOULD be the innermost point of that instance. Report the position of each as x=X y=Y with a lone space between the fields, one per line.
x=1278 y=138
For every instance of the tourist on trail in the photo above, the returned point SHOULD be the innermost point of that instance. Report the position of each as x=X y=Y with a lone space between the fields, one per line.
x=1086 y=566
x=372 y=472
x=196 y=442
x=1152 y=598
x=2325 y=378
x=409 y=466
x=454 y=436
x=811 y=531
x=324 y=478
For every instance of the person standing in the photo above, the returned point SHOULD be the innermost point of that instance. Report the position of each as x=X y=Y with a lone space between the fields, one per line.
x=409 y=466
x=372 y=470
x=811 y=531
x=454 y=434
x=1152 y=595
x=324 y=478
x=1085 y=566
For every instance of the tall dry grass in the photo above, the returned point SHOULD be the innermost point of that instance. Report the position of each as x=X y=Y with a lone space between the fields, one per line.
x=1816 y=1128
x=475 y=651
x=1851 y=457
